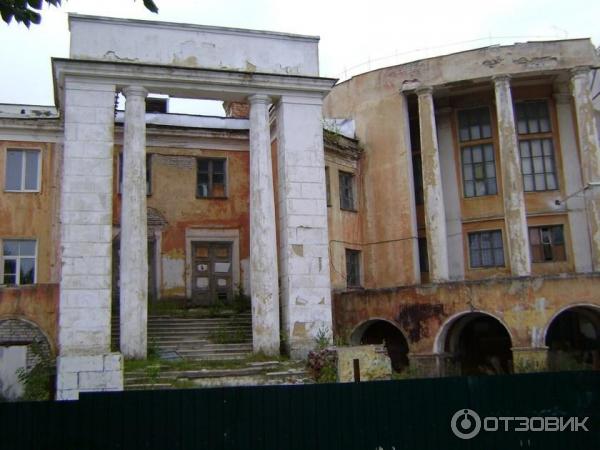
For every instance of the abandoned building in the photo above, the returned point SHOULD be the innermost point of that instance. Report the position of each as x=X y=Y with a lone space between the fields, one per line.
x=450 y=208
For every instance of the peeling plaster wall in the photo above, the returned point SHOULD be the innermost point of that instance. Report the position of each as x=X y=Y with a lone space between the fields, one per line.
x=174 y=196
x=32 y=215
x=526 y=306
x=194 y=46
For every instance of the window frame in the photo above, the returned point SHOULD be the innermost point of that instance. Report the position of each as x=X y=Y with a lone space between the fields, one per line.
x=355 y=254
x=481 y=250
x=540 y=136
x=36 y=150
x=553 y=247
x=327 y=187
x=148 y=174
x=18 y=258
x=472 y=144
x=210 y=177
x=343 y=174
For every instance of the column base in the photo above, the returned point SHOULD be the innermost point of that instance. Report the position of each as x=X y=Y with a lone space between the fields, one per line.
x=88 y=373
x=530 y=359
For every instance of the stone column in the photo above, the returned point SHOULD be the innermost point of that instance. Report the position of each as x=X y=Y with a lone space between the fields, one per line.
x=435 y=216
x=589 y=150
x=303 y=232
x=450 y=187
x=84 y=360
x=264 y=285
x=133 y=290
x=512 y=180
x=578 y=224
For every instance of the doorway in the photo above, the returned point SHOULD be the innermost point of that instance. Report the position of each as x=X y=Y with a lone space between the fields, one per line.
x=211 y=273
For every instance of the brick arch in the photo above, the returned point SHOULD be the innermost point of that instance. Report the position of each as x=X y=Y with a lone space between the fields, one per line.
x=20 y=331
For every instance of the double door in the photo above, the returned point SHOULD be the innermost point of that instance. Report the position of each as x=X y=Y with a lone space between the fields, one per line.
x=211 y=273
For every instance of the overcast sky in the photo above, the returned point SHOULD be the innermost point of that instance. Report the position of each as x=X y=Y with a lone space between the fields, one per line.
x=355 y=36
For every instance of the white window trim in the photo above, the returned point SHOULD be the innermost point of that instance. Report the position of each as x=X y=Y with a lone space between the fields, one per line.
x=18 y=259
x=39 y=174
x=212 y=235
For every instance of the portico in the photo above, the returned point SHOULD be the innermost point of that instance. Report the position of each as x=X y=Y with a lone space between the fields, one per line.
x=299 y=267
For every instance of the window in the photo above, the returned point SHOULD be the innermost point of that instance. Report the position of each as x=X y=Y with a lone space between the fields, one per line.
x=148 y=174
x=18 y=261
x=535 y=146
x=547 y=243
x=327 y=186
x=347 y=191
x=352 y=268
x=486 y=249
x=423 y=258
x=477 y=152
x=22 y=170
x=211 y=179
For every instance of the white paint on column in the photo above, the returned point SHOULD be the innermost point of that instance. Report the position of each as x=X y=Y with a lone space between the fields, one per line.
x=263 y=241
x=303 y=232
x=589 y=149
x=512 y=182
x=450 y=187
x=134 y=241
x=435 y=216
x=580 y=238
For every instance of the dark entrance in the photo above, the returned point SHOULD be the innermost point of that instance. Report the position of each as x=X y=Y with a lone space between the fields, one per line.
x=380 y=332
x=479 y=344
x=211 y=273
x=573 y=340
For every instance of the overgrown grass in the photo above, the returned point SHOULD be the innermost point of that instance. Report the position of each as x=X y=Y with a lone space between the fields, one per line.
x=228 y=337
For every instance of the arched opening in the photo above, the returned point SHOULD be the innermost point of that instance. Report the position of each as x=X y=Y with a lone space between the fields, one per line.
x=573 y=339
x=378 y=332
x=478 y=344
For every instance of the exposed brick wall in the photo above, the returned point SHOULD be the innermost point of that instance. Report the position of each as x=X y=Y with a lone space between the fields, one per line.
x=237 y=110
x=20 y=332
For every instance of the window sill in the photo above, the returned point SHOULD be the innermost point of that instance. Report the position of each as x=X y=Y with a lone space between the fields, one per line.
x=212 y=198
x=349 y=210
x=22 y=192
x=480 y=196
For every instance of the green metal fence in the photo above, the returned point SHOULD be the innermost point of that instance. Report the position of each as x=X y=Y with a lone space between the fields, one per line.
x=412 y=414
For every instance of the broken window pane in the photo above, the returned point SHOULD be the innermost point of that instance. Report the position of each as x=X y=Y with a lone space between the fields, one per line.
x=211 y=178
x=547 y=243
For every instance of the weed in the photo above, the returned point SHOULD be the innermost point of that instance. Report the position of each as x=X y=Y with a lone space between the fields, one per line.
x=322 y=338
x=39 y=380
x=228 y=337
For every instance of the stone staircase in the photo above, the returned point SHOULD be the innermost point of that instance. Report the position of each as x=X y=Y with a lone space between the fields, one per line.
x=211 y=338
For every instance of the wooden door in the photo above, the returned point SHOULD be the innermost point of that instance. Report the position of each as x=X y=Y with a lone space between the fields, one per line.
x=211 y=273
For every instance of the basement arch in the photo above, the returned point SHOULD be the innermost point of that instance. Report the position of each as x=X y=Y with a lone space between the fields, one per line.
x=475 y=343
x=573 y=338
x=382 y=331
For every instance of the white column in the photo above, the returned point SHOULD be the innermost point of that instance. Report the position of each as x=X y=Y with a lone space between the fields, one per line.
x=589 y=150
x=578 y=224
x=264 y=285
x=512 y=180
x=303 y=232
x=133 y=289
x=450 y=187
x=435 y=216
x=85 y=362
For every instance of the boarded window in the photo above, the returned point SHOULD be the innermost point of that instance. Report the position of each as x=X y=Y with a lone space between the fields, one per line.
x=352 y=268
x=547 y=243
x=486 y=249
x=212 y=178
x=536 y=146
x=347 y=191
x=22 y=170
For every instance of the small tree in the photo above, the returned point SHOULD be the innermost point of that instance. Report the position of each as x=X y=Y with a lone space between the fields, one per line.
x=27 y=11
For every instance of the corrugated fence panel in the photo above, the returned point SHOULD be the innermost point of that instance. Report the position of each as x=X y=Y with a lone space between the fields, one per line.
x=388 y=415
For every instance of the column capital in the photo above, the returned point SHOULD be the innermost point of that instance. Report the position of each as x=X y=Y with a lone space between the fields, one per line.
x=502 y=78
x=257 y=99
x=424 y=90
x=134 y=91
x=580 y=71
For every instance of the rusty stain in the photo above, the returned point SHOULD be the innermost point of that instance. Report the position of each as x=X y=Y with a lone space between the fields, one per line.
x=414 y=318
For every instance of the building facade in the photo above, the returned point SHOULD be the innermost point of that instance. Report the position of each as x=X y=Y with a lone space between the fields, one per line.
x=448 y=209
